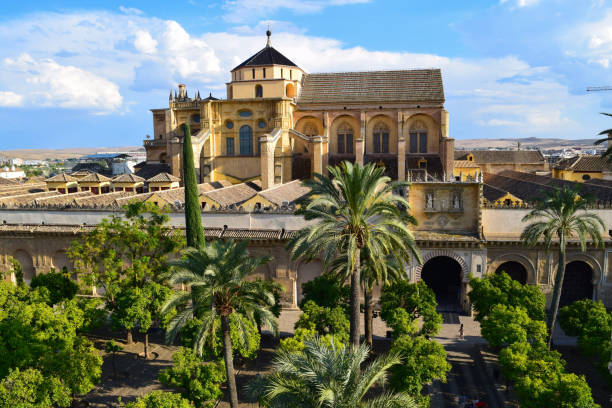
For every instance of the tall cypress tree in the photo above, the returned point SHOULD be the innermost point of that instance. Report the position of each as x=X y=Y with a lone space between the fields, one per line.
x=193 y=216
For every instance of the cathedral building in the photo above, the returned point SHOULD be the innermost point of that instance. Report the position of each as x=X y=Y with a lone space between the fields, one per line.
x=279 y=125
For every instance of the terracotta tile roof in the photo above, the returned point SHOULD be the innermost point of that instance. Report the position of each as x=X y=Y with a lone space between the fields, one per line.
x=7 y=181
x=289 y=192
x=502 y=156
x=128 y=178
x=95 y=178
x=172 y=195
x=24 y=199
x=163 y=177
x=62 y=177
x=102 y=199
x=584 y=163
x=136 y=197
x=62 y=199
x=491 y=193
x=251 y=234
x=148 y=170
x=266 y=56
x=465 y=164
x=418 y=85
x=529 y=187
x=236 y=194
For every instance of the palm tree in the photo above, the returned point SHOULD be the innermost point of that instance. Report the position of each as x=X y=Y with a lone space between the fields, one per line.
x=328 y=377
x=561 y=214
x=608 y=132
x=355 y=209
x=391 y=270
x=217 y=276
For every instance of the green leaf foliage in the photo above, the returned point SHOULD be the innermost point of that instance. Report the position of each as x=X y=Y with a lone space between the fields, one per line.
x=500 y=288
x=324 y=320
x=327 y=291
x=325 y=376
x=590 y=322
x=31 y=389
x=94 y=314
x=59 y=284
x=506 y=325
x=296 y=343
x=198 y=381
x=160 y=399
x=193 y=215
x=423 y=360
x=403 y=304
x=36 y=335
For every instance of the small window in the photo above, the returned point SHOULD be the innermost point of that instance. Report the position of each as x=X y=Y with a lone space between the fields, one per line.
x=258 y=91
x=479 y=268
x=345 y=139
x=423 y=142
x=586 y=177
x=245 y=114
x=229 y=146
x=229 y=124
x=282 y=73
x=381 y=139
x=195 y=118
x=422 y=164
x=246 y=141
x=429 y=200
x=264 y=72
x=253 y=70
x=261 y=124
x=414 y=142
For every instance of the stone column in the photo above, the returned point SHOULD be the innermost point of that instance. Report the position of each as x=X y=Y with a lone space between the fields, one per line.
x=325 y=143
x=317 y=155
x=401 y=148
x=267 y=162
x=360 y=141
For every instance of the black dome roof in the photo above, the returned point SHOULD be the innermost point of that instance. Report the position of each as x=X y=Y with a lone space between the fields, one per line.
x=267 y=56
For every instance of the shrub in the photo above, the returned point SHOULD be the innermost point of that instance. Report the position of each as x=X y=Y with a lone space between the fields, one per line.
x=29 y=388
x=59 y=284
x=327 y=291
x=324 y=320
x=160 y=399
x=506 y=325
x=198 y=381
x=300 y=336
x=403 y=303
x=422 y=361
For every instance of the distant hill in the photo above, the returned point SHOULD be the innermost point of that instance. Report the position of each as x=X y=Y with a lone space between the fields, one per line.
x=542 y=143
x=61 y=154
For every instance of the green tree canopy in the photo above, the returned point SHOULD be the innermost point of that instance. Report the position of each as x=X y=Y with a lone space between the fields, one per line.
x=324 y=320
x=160 y=399
x=403 y=304
x=326 y=290
x=506 y=325
x=500 y=288
x=59 y=284
x=31 y=389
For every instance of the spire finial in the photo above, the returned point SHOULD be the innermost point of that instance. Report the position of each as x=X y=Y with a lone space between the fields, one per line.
x=269 y=34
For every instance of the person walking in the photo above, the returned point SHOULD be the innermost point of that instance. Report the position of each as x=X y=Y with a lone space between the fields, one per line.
x=461 y=331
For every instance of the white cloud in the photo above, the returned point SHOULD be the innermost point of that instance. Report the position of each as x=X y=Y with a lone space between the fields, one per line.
x=10 y=99
x=145 y=43
x=130 y=10
x=44 y=82
x=592 y=41
x=246 y=10
x=520 y=3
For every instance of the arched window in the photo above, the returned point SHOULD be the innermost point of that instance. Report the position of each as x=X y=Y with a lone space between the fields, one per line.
x=246 y=141
x=310 y=129
x=258 y=91
x=418 y=137
x=586 y=177
x=230 y=93
x=345 y=139
x=381 y=138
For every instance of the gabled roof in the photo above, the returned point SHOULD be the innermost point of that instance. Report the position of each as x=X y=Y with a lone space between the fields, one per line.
x=289 y=192
x=491 y=193
x=266 y=56
x=502 y=156
x=163 y=177
x=417 y=85
x=465 y=164
x=236 y=194
x=94 y=178
x=148 y=170
x=584 y=163
x=62 y=177
x=127 y=178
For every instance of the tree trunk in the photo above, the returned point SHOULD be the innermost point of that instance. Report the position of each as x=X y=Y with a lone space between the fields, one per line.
x=368 y=315
x=356 y=301
x=129 y=339
x=229 y=361
x=554 y=306
x=146 y=346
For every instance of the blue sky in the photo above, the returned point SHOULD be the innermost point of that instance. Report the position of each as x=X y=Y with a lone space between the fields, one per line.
x=85 y=73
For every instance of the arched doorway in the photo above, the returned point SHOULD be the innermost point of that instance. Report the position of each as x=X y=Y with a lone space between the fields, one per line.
x=27 y=265
x=577 y=283
x=443 y=275
x=515 y=270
